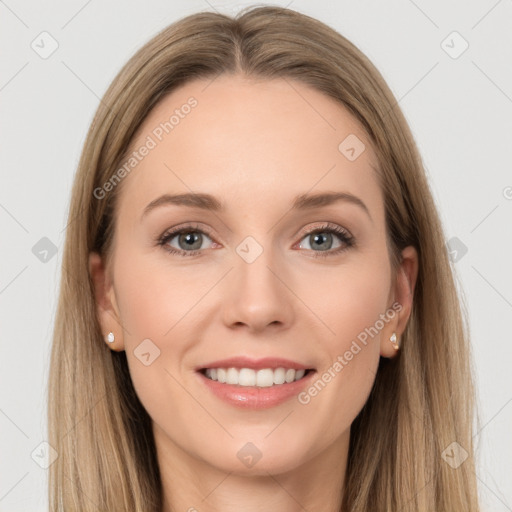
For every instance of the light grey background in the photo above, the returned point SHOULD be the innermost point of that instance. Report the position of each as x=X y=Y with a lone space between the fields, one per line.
x=459 y=109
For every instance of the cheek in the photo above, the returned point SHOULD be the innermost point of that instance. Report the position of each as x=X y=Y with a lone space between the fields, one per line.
x=356 y=299
x=353 y=311
x=154 y=297
x=153 y=303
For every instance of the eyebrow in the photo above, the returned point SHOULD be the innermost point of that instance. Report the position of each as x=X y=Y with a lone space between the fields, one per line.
x=211 y=203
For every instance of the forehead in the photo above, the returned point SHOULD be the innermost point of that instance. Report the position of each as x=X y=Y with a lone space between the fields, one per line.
x=250 y=143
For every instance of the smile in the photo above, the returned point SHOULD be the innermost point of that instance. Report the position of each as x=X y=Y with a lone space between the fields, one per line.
x=262 y=378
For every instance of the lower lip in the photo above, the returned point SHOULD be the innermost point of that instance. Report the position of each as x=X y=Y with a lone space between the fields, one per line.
x=252 y=397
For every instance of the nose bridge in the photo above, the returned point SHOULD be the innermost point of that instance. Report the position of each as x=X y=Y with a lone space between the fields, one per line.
x=254 y=264
x=257 y=296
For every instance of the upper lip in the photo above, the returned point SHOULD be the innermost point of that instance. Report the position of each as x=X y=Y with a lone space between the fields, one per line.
x=255 y=364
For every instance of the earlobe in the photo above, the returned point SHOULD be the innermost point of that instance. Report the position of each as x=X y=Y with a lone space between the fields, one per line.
x=403 y=299
x=106 y=307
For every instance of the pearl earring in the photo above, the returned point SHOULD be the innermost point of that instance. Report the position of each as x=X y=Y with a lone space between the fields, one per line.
x=110 y=337
x=394 y=341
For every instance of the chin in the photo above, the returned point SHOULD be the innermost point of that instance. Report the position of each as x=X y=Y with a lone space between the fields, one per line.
x=253 y=458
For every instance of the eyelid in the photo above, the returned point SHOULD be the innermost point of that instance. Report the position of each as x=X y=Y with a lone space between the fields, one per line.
x=170 y=233
x=321 y=225
x=192 y=227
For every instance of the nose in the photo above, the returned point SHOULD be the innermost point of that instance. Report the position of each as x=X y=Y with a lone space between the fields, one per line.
x=257 y=295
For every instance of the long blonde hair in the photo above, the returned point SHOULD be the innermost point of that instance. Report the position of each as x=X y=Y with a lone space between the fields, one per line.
x=421 y=402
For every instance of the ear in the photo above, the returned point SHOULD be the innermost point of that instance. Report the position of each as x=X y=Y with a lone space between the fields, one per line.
x=106 y=305
x=401 y=294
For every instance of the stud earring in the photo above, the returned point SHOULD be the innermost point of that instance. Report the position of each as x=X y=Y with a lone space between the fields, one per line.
x=110 y=337
x=394 y=341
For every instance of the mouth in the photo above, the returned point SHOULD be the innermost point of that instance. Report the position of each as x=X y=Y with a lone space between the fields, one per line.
x=251 y=383
x=259 y=378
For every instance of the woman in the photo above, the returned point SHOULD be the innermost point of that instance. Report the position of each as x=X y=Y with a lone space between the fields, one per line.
x=257 y=310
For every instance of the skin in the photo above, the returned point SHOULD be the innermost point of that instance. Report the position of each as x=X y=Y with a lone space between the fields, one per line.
x=254 y=145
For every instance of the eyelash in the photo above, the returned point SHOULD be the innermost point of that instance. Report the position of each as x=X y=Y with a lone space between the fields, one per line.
x=343 y=235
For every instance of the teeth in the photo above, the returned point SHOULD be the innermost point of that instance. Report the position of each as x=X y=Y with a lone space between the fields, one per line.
x=260 y=378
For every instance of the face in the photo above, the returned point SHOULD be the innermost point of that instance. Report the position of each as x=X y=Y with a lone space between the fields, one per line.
x=265 y=275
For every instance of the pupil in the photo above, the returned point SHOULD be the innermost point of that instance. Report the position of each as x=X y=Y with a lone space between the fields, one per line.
x=190 y=239
x=320 y=236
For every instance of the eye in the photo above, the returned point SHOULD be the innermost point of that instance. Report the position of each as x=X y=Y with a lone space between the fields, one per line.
x=322 y=238
x=188 y=237
x=190 y=240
